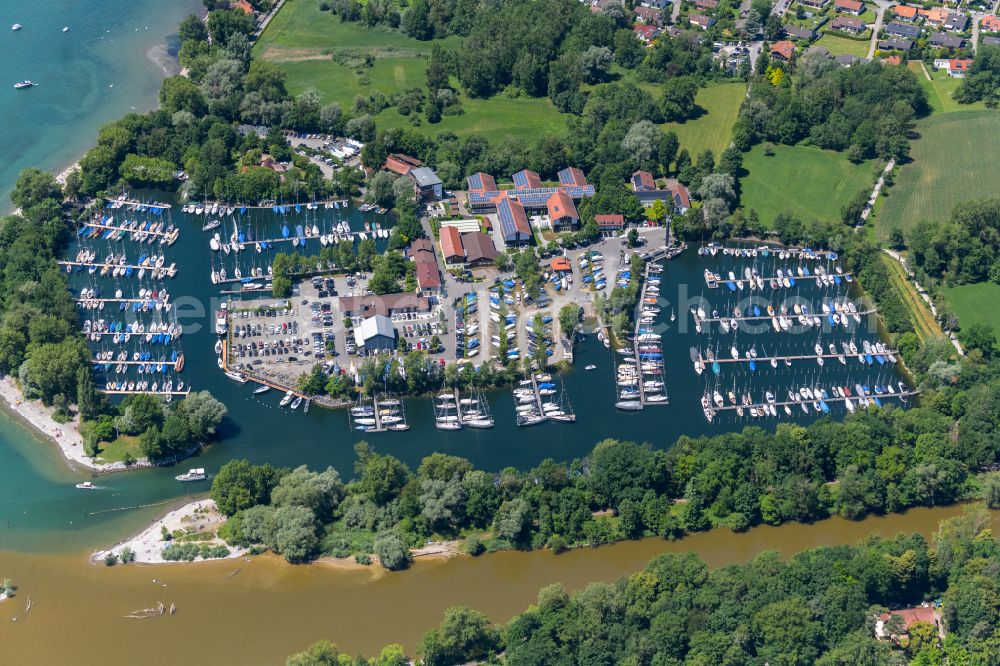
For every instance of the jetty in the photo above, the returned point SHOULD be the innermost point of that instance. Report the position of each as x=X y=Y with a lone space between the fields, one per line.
x=161 y=271
x=137 y=392
x=713 y=281
x=862 y=402
x=174 y=234
x=114 y=362
x=123 y=201
x=802 y=357
x=767 y=317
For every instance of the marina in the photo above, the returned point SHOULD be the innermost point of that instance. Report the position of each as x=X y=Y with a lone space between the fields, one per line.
x=640 y=379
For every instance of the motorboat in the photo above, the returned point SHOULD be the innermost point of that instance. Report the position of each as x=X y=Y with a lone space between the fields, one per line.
x=24 y=84
x=86 y=485
x=287 y=399
x=193 y=474
x=591 y=367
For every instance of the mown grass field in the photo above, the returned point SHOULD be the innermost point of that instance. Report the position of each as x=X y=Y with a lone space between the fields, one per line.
x=923 y=321
x=712 y=130
x=976 y=304
x=810 y=183
x=940 y=87
x=952 y=161
x=838 y=45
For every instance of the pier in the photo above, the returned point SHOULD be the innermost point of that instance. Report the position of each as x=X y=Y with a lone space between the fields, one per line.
x=164 y=270
x=340 y=203
x=717 y=279
x=132 y=232
x=114 y=362
x=801 y=357
x=861 y=402
x=137 y=392
x=123 y=201
x=767 y=317
x=151 y=301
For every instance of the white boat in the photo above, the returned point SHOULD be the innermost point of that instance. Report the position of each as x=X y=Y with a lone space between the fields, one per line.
x=15 y=28
x=24 y=84
x=86 y=485
x=264 y=388
x=296 y=402
x=591 y=367
x=193 y=474
x=287 y=399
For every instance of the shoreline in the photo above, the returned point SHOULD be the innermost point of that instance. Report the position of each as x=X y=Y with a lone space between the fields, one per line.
x=66 y=436
x=147 y=545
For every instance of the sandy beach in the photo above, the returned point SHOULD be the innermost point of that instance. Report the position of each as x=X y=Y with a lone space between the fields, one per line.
x=65 y=435
x=199 y=516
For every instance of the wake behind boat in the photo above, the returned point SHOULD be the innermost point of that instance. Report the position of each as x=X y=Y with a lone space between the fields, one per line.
x=24 y=84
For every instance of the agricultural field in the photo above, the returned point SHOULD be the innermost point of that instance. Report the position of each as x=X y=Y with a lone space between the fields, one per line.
x=713 y=129
x=810 y=183
x=944 y=169
x=976 y=304
x=838 y=45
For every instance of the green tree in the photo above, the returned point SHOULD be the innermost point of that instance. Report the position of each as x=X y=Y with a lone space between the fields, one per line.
x=240 y=485
x=465 y=635
x=391 y=552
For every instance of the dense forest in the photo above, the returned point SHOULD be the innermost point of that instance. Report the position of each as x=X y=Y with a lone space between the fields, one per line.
x=820 y=607
x=963 y=249
x=865 y=110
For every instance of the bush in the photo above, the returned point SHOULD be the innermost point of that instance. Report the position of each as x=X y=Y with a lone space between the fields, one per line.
x=126 y=555
x=110 y=559
x=391 y=552
x=473 y=546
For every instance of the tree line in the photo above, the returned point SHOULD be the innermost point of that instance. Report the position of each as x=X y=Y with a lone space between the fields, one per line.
x=820 y=607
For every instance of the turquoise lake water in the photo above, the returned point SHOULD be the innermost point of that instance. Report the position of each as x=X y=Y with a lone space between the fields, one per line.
x=92 y=74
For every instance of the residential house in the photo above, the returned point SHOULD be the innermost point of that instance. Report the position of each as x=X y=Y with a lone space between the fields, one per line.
x=481 y=182
x=847 y=60
x=401 y=164
x=452 y=248
x=642 y=181
x=902 y=30
x=956 y=22
x=270 y=163
x=647 y=34
x=956 y=67
x=425 y=267
x=386 y=305
x=702 y=21
x=905 y=13
x=562 y=211
x=655 y=4
x=479 y=249
x=649 y=15
x=243 y=6
x=946 y=41
x=906 y=617
x=680 y=196
x=816 y=4
x=783 y=50
x=706 y=5
x=514 y=227
x=526 y=180
x=893 y=60
x=990 y=23
x=990 y=40
x=609 y=224
x=851 y=25
x=895 y=44
x=795 y=32
x=375 y=334
x=427 y=184
x=849 y=7
x=935 y=16
x=572 y=177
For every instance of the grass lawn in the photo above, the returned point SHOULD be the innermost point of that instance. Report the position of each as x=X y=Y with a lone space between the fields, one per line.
x=810 y=183
x=838 y=45
x=712 y=130
x=115 y=451
x=976 y=303
x=940 y=88
x=341 y=84
x=951 y=162
x=923 y=321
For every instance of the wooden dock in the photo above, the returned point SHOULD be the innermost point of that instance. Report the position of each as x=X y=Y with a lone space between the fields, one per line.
x=135 y=203
x=809 y=403
x=163 y=270
x=114 y=362
x=344 y=203
x=151 y=301
x=107 y=392
x=714 y=283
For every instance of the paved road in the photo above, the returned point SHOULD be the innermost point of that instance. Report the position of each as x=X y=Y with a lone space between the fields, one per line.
x=976 y=18
x=881 y=6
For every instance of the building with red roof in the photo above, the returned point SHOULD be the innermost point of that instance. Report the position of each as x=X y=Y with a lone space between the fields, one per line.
x=905 y=12
x=243 y=6
x=783 y=50
x=401 y=164
x=642 y=181
x=907 y=617
x=990 y=23
x=452 y=248
x=849 y=7
x=610 y=223
x=526 y=179
x=514 y=227
x=428 y=275
x=562 y=211
x=481 y=182
x=646 y=33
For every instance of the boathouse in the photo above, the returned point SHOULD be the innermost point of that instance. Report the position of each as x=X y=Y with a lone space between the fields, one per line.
x=376 y=333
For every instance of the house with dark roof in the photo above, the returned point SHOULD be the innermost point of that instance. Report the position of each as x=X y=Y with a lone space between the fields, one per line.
x=849 y=7
x=895 y=44
x=649 y=15
x=655 y=4
x=706 y=4
x=851 y=25
x=562 y=211
x=702 y=21
x=427 y=184
x=817 y=4
x=795 y=32
x=783 y=50
x=451 y=246
x=514 y=227
x=375 y=334
x=990 y=40
x=902 y=30
x=610 y=223
x=479 y=249
x=956 y=22
x=642 y=180
x=946 y=41
x=401 y=164
x=847 y=60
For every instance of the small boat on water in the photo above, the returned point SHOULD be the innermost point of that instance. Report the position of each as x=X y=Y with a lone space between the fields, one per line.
x=296 y=402
x=24 y=84
x=264 y=388
x=193 y=474
x=591 y=367
x=86 y=485
x=287 y=399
